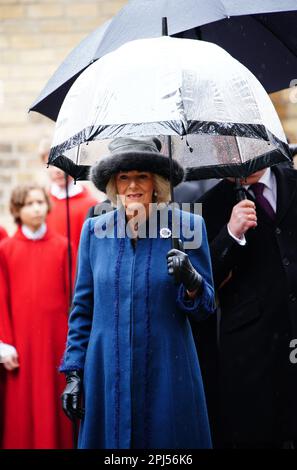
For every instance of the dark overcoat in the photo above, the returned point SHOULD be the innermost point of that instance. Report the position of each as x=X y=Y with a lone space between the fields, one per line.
x=129 y=333
x=256 y=380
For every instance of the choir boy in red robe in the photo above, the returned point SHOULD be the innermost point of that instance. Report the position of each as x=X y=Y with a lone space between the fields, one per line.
x=34 y=300
x=80 y=201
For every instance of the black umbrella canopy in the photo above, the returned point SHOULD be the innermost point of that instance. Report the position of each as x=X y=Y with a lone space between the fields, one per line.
x=265 y=44
x=261 y=35
x=51 y=97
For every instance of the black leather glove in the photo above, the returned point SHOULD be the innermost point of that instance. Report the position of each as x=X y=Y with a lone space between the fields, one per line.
x=71 y=397
x=180 y=266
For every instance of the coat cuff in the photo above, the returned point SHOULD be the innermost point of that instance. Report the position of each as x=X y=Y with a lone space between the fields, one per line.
x=70 y=367
x=199 y=307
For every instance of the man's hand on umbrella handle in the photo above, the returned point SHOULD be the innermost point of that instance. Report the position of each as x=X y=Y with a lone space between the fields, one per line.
x=179 y=265
x=71 y=397
x=243 y=217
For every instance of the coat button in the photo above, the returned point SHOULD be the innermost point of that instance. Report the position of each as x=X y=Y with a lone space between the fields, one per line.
x=278 y=231
x=286 y=262
x=292 y=297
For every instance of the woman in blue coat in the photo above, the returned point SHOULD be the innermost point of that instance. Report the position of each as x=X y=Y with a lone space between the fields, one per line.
x=131 y=366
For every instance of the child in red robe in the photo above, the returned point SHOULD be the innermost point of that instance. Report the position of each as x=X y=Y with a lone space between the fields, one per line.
x=79 y=198
x=3 y=234
x=80 y=201
x=34 y=300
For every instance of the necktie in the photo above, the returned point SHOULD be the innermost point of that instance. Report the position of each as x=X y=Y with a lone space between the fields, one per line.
x=261 y=200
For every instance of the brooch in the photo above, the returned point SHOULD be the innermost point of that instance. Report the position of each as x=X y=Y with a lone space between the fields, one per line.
x=165 y=232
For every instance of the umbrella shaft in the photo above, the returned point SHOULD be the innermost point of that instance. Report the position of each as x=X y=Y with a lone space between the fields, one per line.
x=240 y=192
x=164 y=26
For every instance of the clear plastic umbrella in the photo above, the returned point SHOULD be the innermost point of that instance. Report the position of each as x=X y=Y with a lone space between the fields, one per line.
x=221 y=120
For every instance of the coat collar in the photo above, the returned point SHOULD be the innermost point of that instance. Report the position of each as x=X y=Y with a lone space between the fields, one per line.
x=60 y=193
x=20 y=236
x=286 y=190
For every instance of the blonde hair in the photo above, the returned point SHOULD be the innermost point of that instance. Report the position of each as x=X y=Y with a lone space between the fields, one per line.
x=161 y=187
x=18 y=199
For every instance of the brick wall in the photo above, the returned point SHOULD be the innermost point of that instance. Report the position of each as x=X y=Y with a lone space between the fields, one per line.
x=286 y=105
x=35 y=37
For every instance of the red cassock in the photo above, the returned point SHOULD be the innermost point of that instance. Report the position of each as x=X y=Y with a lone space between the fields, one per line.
x=3 y=233
x=78 y=208
x=34 y=303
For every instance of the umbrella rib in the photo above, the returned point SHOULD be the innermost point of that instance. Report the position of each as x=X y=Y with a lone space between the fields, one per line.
x=238 y=148
x=274 y=34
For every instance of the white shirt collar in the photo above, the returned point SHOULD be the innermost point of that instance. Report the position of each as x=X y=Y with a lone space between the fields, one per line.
x=28 y=233
x=60 y=193
x=270 y=187
x=267 y=179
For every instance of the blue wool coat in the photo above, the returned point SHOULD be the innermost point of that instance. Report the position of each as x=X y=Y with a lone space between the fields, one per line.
x=129 y=332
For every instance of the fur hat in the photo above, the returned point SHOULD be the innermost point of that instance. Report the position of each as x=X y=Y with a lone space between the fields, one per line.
x=129 y=154
x=293 y=149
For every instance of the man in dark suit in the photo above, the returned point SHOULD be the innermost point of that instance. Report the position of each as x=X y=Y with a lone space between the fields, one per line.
x=254 y=253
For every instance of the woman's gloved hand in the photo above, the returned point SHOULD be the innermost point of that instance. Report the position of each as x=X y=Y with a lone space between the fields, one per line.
x=180 y=266
x=71 y=397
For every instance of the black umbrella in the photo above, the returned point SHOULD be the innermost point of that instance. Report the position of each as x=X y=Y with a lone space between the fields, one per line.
x=260 y=34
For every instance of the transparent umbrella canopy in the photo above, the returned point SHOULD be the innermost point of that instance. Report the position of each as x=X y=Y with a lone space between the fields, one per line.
x=221 y=120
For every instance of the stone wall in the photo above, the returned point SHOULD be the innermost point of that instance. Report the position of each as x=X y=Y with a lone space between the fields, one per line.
x=286 y=105
x=35 y=37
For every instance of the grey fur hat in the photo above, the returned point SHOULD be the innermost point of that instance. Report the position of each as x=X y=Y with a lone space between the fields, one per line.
x=128 y=154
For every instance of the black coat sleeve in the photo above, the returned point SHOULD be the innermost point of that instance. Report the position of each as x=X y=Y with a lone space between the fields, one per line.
x=225 y=252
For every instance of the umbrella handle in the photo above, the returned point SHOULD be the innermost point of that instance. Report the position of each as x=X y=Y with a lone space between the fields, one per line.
x=74 y=433
x=177 y=244
x=240 y=192
x=68 y=225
